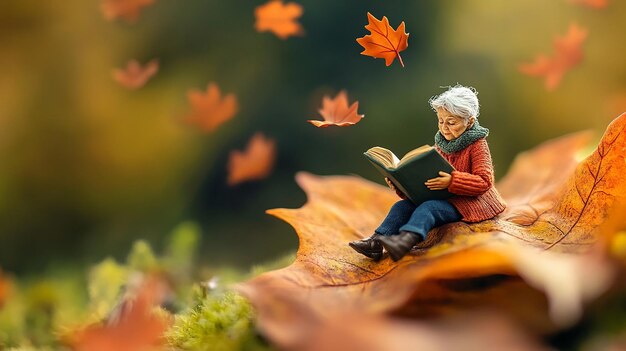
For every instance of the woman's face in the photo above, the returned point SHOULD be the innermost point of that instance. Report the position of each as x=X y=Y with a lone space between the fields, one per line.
x=451 y=126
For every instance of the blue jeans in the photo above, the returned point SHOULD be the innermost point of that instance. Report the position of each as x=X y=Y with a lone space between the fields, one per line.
x=405 y=216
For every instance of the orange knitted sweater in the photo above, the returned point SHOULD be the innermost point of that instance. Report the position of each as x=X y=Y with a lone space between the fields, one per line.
x=475 y=198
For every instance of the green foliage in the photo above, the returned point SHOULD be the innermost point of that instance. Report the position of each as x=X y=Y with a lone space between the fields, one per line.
x=39 y=309
x=219 y=323
x=213 y=317
x=141 y=258
x=181 y=249
x=105 y=282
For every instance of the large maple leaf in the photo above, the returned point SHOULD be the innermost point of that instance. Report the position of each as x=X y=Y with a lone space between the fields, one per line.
x=279 y=18
x=337 y=113
x=384 y=41
x=531 y=262
x=567 y=54
x=210 y=110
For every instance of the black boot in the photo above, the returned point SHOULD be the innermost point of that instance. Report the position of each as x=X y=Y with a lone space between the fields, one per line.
x=399 y=245
x=369 y=247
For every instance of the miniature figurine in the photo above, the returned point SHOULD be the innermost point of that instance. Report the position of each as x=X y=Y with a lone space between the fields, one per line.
x=461 y=141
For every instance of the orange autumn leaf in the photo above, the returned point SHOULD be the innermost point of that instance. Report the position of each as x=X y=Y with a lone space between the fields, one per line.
x=137 y=328
x=129 y=10
x=256 y=162
x=337 y=113
x=5 y=288
x=209 y=110
x=567 y=54
x=134 y=76
x=384 y=41
x=279 y=18
x=534 y=252
x=596 y=4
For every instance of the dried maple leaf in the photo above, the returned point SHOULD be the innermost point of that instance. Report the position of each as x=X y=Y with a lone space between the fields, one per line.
x=279 y=18
x=337 y=113
x=533 y=252
x=126 y=9
x=596 y=4
x=134 y=76
x=210 y=110
x=137 y=328
x=256 y=162
x=568 y=53
x=384 y=41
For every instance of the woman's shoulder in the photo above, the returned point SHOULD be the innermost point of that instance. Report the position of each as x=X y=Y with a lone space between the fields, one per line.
x=480 y=143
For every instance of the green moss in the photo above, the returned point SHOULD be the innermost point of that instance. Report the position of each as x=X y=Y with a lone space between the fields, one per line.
x=219 y=323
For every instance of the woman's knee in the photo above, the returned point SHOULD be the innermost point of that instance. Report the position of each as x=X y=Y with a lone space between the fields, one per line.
x=403 y=205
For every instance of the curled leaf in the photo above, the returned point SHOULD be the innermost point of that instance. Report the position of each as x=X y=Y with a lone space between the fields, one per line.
x=256 y=162
x=134 y=76
x=279 y=18
x=337 y=113
x=209 y=110
x=567 y=54
x=384 y=41
x=534 y=252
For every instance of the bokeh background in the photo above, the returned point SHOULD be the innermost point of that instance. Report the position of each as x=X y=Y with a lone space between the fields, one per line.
x=87 y=166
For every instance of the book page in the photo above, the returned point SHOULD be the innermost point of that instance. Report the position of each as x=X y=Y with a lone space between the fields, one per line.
x=384 y=156
x=414 y=153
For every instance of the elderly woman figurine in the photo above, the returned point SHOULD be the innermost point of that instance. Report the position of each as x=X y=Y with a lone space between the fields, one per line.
x=461 y=141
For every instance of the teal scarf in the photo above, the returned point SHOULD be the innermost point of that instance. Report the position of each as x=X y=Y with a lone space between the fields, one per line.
x=468 y=137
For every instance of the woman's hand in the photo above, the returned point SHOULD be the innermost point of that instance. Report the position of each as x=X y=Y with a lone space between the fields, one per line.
x=439 y=183
x=390 y=183
x=393 y=187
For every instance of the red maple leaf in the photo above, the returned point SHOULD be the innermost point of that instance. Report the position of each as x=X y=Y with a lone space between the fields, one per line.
x=337 y=113
x=568 y=53
x=126 y=9
x=134 y=76
x=210 y=110
x=256 y=162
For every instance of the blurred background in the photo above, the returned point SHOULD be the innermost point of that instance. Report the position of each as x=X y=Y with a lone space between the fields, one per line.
x=88 y=166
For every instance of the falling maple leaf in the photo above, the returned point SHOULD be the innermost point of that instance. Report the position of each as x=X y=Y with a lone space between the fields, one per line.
x=210 y=110
x=534 y=252
x=337 y=113
x=137 y=327
x=384 y=41
x=568 y=53
x=5 y=288
x=279 y=18
x=596 y=4
x=126 y=9
x=256 y=162
x=134 y=76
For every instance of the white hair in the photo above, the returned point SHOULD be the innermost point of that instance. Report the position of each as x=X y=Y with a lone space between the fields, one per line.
x=458 y=100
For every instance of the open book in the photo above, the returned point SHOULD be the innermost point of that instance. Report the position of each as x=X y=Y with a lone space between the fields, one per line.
x=410 y=172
